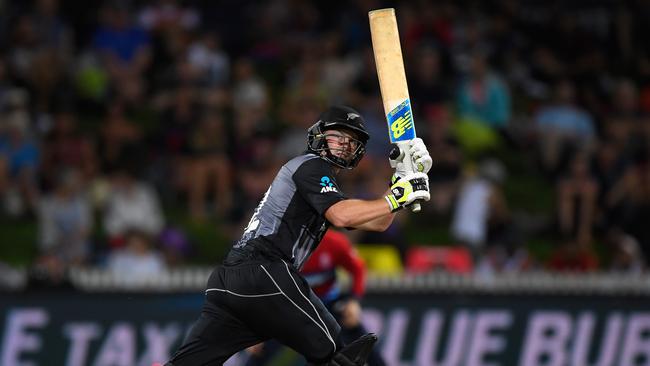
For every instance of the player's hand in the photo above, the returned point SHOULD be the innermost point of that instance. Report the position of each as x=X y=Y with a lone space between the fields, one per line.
x=420 y=158
x=408 y=189
x=351 y=313
x=420 y=155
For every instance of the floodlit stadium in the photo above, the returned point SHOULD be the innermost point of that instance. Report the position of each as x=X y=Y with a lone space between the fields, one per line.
x=139 y=140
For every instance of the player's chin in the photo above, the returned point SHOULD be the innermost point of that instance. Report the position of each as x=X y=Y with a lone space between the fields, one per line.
x=343 y=155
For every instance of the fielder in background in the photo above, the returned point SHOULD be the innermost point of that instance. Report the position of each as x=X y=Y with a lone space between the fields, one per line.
x=257 y=293
x=334 y=251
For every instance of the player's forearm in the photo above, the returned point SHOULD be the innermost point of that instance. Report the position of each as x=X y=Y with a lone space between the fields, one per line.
x=379 y=224
x=360 y=214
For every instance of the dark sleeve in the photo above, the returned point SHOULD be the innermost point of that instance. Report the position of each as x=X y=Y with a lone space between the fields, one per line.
x=316 y=183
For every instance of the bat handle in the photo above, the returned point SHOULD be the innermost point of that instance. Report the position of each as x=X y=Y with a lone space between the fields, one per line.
x=415 y=207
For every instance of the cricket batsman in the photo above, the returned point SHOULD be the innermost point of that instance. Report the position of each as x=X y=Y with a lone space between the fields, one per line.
x=257 y=293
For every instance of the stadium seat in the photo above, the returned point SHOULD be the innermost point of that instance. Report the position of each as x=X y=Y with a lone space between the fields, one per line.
x=380 y=258
x=421 y=259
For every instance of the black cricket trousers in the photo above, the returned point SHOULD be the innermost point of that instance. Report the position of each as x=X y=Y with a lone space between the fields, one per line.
x=250 y=303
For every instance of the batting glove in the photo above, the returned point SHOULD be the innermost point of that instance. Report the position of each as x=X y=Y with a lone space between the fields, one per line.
x=421 y=160
x=408 y=189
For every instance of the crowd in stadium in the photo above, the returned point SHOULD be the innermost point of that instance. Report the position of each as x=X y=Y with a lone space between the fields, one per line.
x=123 y=126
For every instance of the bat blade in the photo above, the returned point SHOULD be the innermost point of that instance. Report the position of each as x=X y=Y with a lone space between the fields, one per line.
x=392 y=82
x=392 y=77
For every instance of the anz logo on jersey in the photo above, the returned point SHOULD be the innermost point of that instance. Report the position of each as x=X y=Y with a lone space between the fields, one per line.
x=327 y=185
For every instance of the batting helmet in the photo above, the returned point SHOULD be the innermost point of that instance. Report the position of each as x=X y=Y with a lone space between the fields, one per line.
x=335 y=118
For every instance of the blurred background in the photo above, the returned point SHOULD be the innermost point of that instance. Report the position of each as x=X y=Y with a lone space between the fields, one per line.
x=136 y=138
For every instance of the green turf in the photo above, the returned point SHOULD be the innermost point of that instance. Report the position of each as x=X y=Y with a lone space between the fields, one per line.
x=19 y=241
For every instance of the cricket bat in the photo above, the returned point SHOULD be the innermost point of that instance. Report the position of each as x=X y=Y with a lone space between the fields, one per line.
x=392 y=83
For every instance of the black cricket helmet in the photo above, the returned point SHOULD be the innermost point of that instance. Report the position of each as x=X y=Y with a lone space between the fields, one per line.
x=335 y=118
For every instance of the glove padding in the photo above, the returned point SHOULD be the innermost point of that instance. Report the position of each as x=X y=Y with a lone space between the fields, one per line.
x=408 y=189
x=421 y=160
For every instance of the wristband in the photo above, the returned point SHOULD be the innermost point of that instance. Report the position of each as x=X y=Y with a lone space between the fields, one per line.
x=392 y=203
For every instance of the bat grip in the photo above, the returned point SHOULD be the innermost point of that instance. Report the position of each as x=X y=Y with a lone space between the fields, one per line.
x=415 y=207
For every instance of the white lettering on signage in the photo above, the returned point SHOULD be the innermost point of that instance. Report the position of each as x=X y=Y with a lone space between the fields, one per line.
x=457 y=345
x=435 y=337
x=80 y=334
x=394 y=340
x=546 y=339
x=584 y=337
x=429 y=338
x=636 y=344
x=119 y=347
x=484 y=341
x=159 y=341
x=18 y=339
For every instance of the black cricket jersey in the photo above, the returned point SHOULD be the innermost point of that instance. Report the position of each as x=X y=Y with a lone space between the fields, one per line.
x=289 y=221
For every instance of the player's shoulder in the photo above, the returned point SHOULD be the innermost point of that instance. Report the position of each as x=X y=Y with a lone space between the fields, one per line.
x=308 y=162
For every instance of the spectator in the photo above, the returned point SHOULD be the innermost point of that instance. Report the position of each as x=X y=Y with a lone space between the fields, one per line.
x=306 y=80
x=65 y=220
x=72 y=59
x=124 y=49
x=65 y=147
x=49 y=273
x=175 y=246
x=24 y=48
x=483 y=96
x=137 y=261
x=207 y=56
x=162 y=15
x=630 y=199
x=626 y=257
x=445 y=179
x=19 y=159
x=300 y=115
x=577 y=195
x=131 y=205
x=573 y=256
x=621 y=125
x=338 y=67
x=429 y=88
x=178 y=110
x=249 y=91
x=52 y=51
x=560 y=125
x=50 y=28
x=608 y=165
x=504 y=259
x=211 y=171
x=481 y=213
x=119 y=138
